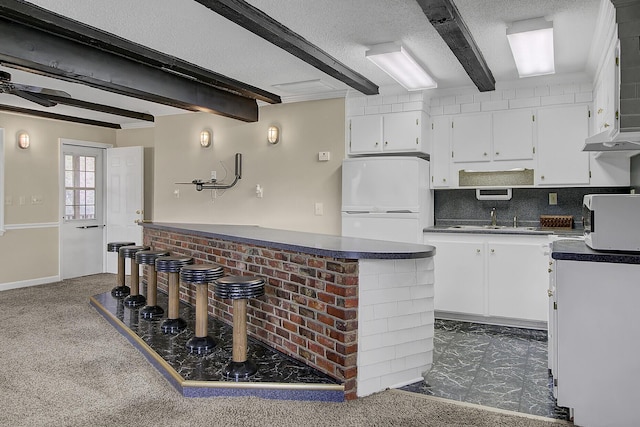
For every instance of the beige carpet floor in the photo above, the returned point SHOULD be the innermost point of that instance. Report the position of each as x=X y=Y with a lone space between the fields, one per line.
x=62 y=364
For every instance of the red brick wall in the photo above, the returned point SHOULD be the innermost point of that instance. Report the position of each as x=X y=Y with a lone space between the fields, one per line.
x=309 y=310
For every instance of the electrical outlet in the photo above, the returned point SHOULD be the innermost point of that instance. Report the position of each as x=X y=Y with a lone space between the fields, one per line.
x=324 y=156
x=553 y=198
x=319 y=208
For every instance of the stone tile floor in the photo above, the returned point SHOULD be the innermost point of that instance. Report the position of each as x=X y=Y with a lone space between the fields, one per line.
x=496 y=366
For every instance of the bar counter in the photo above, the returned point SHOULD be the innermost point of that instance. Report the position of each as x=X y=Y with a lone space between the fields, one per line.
x=359 y=310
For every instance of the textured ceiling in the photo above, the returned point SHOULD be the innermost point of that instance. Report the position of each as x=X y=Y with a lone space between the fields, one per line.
x=344 y=29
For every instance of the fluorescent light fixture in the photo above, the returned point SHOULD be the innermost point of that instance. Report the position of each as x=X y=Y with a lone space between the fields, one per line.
x=531 y=43
x=396 y=61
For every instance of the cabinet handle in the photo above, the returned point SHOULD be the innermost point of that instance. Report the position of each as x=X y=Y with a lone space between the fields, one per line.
x=541 y=176
x=376 y=143
x=606 y=125
x=477 y=251
x=493 y=251
x=599 y=110
x=386 y=143
x=497 y=153
x=549 y=293
x=484 y=154
x=444 y=179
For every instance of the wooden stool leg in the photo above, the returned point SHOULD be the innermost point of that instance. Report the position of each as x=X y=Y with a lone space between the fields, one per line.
x=121 y=290
x=174 y=323
x=240 y=367
x=152 y=310
x=135 y=299
x=201 y=343
x=239 y=330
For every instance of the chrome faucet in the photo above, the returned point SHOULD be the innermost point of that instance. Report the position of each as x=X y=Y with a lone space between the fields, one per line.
x=494 y=217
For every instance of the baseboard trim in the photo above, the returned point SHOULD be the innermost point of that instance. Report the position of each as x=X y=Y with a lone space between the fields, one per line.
x=30 y=282
x=492 y=320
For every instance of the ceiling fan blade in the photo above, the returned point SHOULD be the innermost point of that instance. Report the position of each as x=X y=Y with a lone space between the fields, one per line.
x=33 y=98
x=40 y=90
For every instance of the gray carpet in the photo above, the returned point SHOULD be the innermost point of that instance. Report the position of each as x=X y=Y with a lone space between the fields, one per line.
x=62 y=364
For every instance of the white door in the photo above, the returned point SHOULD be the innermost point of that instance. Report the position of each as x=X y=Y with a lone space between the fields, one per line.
x=81 y=231
x=125 y=202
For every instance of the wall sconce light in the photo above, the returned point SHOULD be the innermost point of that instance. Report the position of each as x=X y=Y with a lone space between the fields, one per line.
x=206 y=138
x=23 y=139
x=273 y=134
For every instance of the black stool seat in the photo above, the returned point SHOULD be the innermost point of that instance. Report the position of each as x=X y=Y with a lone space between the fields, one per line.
x=201 y=273
x=115 y=246
x=148 y=257
x=239 y=287
x=131 y=250
x=172 y=264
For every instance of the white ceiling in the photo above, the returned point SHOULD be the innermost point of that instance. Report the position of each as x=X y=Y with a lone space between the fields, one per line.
x=342 y=28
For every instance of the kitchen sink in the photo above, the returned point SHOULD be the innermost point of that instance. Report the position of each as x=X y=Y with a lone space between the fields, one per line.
x=490 y=227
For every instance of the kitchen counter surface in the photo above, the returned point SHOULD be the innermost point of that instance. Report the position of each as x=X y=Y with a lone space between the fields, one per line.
x=574 y=250
x=309 y=243
x=485 y=229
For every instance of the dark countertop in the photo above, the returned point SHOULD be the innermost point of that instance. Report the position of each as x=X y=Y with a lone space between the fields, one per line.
x=309 y=243
x=575 y=250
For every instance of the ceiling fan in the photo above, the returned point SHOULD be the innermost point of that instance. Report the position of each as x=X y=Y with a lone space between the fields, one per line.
x=30 y=93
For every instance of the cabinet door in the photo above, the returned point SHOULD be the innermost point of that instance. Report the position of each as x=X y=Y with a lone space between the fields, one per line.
x=365 y=134
x=441 y=151
x=518 y=281
x=401 y=131
x=513 y=135
x=459 y=277
x=471 y=138
x=561 y=135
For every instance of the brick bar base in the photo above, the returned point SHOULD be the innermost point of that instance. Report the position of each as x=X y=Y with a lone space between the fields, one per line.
x=310 y=307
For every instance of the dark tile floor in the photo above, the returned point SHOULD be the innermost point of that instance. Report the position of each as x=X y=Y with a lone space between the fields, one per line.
x=494 y=366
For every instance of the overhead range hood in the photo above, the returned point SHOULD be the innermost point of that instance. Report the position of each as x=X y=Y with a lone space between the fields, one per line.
x=624 y=135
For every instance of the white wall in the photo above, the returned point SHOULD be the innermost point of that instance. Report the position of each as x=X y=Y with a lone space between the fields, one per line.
x=292 y=177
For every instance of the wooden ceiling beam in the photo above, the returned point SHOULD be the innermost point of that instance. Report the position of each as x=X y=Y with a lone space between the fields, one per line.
x=202 y=89
x=99 y=107
x=446 y=19
x=54 y=116
x=252 y=19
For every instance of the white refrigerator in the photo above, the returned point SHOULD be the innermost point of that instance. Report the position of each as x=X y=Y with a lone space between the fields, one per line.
x=386 y=198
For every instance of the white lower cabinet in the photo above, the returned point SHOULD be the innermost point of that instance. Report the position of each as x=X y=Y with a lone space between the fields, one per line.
x=597 y=341
x=498 y=278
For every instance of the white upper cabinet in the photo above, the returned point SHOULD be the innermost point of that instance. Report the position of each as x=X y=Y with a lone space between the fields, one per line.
x=441 y=151
x=561 y=134
x=365 y=134
x=513 y=135
x=404 y=132
x=471 y=138
x=606 y=92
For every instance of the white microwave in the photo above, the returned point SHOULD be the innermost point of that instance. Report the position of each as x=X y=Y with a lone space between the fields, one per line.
x=612 y=221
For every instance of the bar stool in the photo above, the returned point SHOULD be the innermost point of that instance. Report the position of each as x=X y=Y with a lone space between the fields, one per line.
x=152 y=310
x=121 y=290
x=239 y=289
x=134 y=299
x=172 y=265
x=201 y=275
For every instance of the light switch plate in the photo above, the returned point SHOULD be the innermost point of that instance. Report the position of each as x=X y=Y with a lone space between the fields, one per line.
x=553 y=198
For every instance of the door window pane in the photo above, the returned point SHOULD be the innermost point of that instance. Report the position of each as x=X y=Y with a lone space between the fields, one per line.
x=80 y=186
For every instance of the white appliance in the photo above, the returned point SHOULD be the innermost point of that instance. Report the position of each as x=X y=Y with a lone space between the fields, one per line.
x=386 y=198
x=611 y=221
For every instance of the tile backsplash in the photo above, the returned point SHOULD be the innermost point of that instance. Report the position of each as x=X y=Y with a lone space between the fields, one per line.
x=460 y=206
